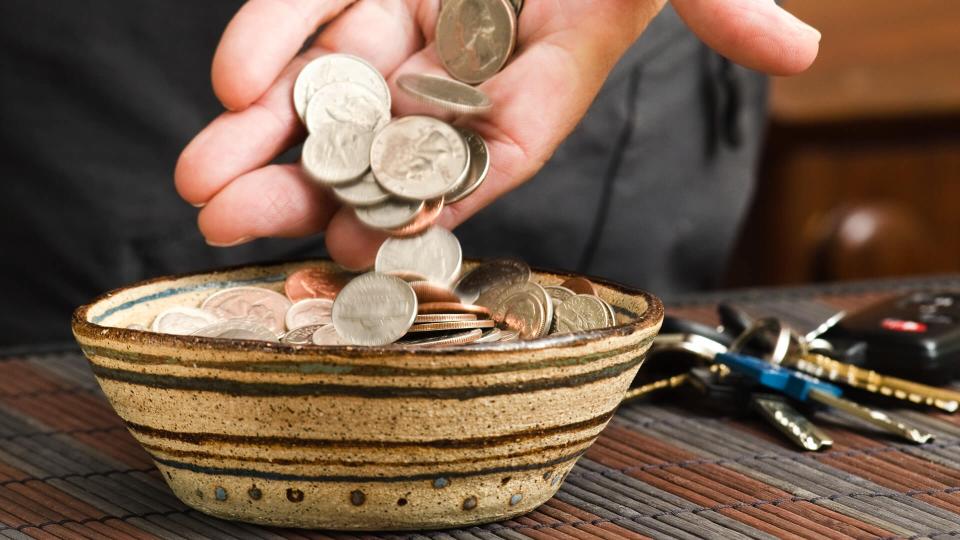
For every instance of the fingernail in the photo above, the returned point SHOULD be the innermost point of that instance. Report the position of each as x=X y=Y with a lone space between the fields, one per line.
x=199 y=205
x=237 y=242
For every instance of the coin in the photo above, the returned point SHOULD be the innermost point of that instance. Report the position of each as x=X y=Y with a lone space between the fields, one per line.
x=431 y=292
x=490 y=336
x=182 y=321
x=452 y=307
x=424 y=220
x=262 y=306
x=489 y=275
x=580 y=285
x=344 y=102
x=419 y=158
x=479 y=166
x=374 y=309
x=337 y=153
x=525 y=308
x=475 y=38
x=451 y=325
x=517 y=5
x=302 y=335
x=444 y=317
x=582 y=312
x=328 y=336
x=447 y=94
x=334 y=68
x=365 y=191
x=309 y=312
x=559 y=293
x=460 y=338
x=237 y=329
x=612 y=321
x=435 y=254
x=409 y=277
x=314 y=283
x=392 y=214
x=509 y=335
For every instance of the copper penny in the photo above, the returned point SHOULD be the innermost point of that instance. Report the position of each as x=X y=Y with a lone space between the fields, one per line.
x=452 y=307
x=431 y=292
x=425 y=218
x=452 y=325
x=580 y=285
x=314 y=283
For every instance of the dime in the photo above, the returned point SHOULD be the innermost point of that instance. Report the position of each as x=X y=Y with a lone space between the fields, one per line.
x=237 y=329
x=444 y=317
x=451 y=307
x=525 y=308
x=344 y=102
x=479 y=166
x=559 y=294
x=612 y=321
x=419 y=158
x=374 y=309
x=580 y=285
x=452 y=325
x=392 y=214
x=582 y=312
x=314 y=283
x=182 y=321
x=436 y=254
x=431 y=292
x=254 y=304
x=365 y=191
x=509 y=335
x=424 y=220
x=489 y=275
x=490 y=336
x=334 y=68
x=475 y=38
x=309 y=312
x=447 y=94
x=328 y=336
x=461 y=338
x=337 y=153
x=302 y=335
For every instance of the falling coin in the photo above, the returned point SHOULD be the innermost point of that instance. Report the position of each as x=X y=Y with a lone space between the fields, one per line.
x=436 y=254
x=475 y=38
x=392 y=214
x=332 y=68
x=363 y=192
x=448 y=94
x=479 y=166
x=337 y=153
x=423 y=220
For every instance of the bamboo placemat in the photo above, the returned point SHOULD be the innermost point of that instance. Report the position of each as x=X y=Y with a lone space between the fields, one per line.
x=69 y=469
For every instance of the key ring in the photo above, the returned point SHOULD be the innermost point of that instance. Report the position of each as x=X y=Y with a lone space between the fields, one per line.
x=780 y=348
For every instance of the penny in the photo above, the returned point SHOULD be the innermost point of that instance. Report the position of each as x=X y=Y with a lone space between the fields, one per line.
x=525 y=308
x=479 y=166
x=365 y=191
x=435 y=254
x=344 y=102
x=309 y=312
x=392 y=214
x=444 y=317
x=314 y=283
x=452 y=307
x=559 y=294
x=262 y=306
x=475 y=38
x=334 y=68
x=302 y=335
x=424 y=220
x=448 y=94
x=460 y=338
x=580 y=285
x=488 y=275
x=328 y=336
x=182 y=321
x=419 y=158
x=582 y=312
x=374 y=309
x=337 y=153
x=431 y=292
x=237 y=329
x=452 y=325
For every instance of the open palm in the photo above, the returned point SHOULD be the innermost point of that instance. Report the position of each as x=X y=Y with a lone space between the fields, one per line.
x=565 y=49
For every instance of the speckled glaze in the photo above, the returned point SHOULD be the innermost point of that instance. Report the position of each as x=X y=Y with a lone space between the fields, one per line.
x=379 y=438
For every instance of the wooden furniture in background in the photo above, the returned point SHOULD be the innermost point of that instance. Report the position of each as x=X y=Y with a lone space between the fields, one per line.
x=861 y=175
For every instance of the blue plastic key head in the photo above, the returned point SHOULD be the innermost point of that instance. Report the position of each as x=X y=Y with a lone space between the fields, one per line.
x=792 y=383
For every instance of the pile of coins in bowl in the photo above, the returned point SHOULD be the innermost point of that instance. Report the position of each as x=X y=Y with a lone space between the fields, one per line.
x=415 y=296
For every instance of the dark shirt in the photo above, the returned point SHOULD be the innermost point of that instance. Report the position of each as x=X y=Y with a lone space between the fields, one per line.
x=98 y=97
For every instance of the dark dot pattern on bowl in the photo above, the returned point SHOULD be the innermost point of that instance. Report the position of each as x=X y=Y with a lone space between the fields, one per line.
x=470 y=503
x=401 y=501
x=220 y=493
x=255 y=493
x=357 y=498
x=441 y=483
x=294 y=495
x=515 y=499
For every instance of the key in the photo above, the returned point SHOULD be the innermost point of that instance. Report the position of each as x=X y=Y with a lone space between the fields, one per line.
x=803 y=387
x=777 y=411
x=652 y=387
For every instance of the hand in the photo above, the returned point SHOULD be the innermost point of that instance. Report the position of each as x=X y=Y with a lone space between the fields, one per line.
x=570 y=45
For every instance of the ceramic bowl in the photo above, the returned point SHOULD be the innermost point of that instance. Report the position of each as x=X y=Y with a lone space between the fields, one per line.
x=350 y=438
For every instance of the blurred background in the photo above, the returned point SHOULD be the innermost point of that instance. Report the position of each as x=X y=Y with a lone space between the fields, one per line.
x=860 y=176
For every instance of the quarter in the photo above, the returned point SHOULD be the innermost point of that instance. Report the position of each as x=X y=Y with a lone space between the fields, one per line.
x=334 y=68
x=337 y=153
x=475 y=38
x=448 y=94
x=435 y=254
x=391 y=214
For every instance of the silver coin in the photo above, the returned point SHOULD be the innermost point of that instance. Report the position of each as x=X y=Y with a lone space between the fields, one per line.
x=419 y=158
x=475 y=38
x=344 y=102
x=524 y=308
x=612 y=321
x=582 y=312
x=254 y=304
x=328 y=336
x=237 y=329
x=489 y=275
x=392 y=214
x=363 y=192
x=458 y=338
x=309 y=312
x=509 y=335
x=559 y=294
x=182 y=321
x=490 y=336
x=445 y=93
x=302 y=335
x=435 y=253
x=337 y=153
x=333 y=68
x=374 y=309
x=479 y=166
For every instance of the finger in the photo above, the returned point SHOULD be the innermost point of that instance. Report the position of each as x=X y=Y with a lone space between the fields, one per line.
x=757 y=34
x=364 y=29
x=352 y=244
x=260 y=41
x=275 y=201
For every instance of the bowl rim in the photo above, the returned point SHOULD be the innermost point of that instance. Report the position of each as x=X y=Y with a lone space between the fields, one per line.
x=83 y=328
